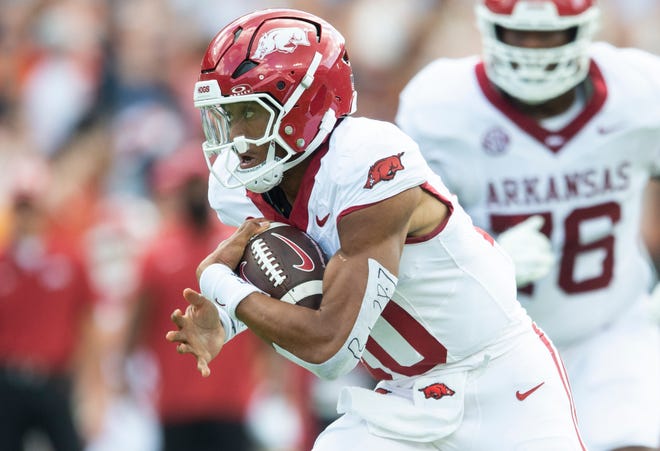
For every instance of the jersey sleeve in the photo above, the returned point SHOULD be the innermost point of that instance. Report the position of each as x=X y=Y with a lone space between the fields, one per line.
x=375 y=161
x=635 y=73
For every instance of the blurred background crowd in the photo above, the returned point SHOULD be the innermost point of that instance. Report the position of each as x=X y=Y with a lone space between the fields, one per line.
x=102 y=169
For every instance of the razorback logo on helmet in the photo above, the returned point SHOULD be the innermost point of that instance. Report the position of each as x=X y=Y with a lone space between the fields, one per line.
x=384 y=169
x=437 y=391
x=284 y=40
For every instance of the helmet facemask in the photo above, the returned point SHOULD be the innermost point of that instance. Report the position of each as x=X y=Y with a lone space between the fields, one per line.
x=220 y=149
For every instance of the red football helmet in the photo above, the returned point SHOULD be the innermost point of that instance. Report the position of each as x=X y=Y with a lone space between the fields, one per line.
x=291 y=63
x=536 y=75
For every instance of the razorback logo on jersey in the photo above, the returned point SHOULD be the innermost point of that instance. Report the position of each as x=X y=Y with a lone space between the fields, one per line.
x=437 y=391
x=283 y=40
x=384 y=169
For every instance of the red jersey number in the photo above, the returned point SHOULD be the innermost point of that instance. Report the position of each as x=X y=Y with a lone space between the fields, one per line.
x=574 y=246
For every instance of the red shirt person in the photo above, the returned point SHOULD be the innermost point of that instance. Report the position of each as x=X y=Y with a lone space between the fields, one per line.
x=209 y=413
x=45 y=297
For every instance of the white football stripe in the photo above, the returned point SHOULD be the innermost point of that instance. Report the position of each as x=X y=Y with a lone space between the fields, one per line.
x=398 y=347
x=303 y=290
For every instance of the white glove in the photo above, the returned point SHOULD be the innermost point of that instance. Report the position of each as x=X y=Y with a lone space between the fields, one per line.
x=530 y=250
x=655 y=304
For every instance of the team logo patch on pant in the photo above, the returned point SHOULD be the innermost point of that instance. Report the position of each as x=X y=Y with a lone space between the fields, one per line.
x=436 y=391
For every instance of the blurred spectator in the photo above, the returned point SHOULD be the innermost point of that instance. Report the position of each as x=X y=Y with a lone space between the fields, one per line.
x=632 y=23
x=386 y=38
x=145 y=119
x=45 y=302
x=59 y=70
x=195 y=413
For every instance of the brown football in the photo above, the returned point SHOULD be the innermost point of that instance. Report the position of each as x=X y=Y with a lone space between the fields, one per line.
x=286 y=263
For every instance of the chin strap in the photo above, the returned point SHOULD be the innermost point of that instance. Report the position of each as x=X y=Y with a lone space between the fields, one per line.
x=305 y=83
x=325 y=127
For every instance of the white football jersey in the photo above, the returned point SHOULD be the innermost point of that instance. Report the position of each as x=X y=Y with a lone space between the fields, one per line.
x=456 y=293
x=585 y=179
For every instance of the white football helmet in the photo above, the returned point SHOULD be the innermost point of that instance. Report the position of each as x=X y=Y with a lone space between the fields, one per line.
x=536 y=75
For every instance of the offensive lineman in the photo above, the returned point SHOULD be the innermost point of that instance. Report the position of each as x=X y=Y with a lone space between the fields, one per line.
x=424 y=299
x=553 y=139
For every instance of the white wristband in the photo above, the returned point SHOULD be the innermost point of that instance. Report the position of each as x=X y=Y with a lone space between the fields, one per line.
x=219 y=284
x=232 y=327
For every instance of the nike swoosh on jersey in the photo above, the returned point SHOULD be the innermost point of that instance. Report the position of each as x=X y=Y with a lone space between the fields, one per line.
x=606 y=130
x=522 y=396
x=321 y=221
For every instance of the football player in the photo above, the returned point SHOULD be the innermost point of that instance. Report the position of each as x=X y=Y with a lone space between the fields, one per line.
x=548 y=140
x=413 y=291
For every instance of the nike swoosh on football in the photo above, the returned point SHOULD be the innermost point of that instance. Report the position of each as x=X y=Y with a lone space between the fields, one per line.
x=307 y=264
x=321 y=221
x=522 y=396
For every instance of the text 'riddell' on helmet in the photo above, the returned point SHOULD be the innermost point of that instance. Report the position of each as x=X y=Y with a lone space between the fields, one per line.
x=291 y=63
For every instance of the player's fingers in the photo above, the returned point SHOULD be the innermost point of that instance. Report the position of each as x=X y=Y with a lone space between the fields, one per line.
x=253 y=227
x=193 y=298
x=174 y=336
x=177 y=318
x=203 y=367
x=534 y=222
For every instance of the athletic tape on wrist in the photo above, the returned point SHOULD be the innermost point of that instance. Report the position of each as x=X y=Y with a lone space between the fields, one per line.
x=380 y=288
x=219 y=284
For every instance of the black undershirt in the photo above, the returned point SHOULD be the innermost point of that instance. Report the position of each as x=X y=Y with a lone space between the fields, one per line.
x=276 y=198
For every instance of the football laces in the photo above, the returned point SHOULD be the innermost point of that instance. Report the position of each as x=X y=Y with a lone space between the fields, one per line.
x=266 y=261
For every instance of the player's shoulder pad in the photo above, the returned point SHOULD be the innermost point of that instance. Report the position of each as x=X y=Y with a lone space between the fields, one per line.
x=439 y=98
x=634 y=72
x=358 y=143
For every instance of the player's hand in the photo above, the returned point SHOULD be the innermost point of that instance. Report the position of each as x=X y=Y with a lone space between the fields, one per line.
x=230 y=251
x=199 y=331
x=530 y=250
x=655 y=303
